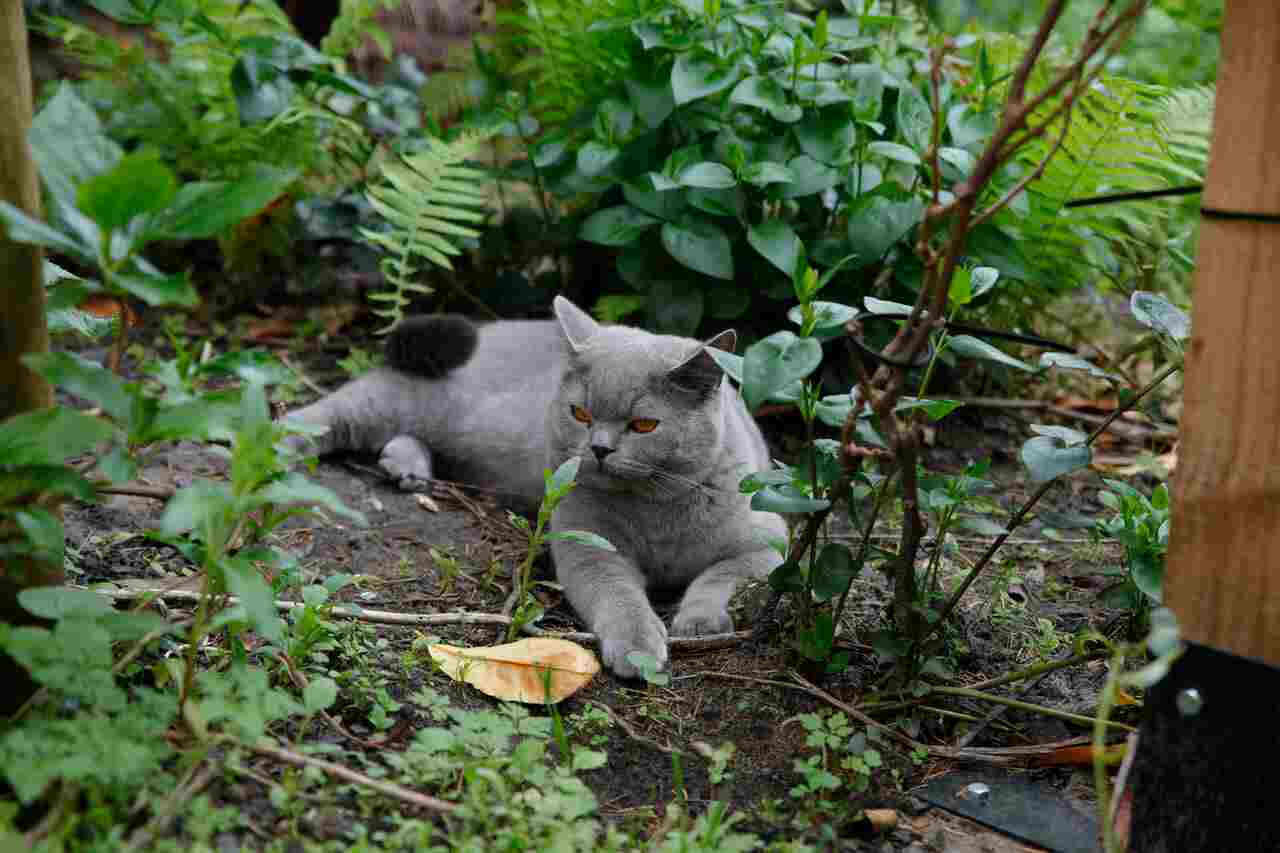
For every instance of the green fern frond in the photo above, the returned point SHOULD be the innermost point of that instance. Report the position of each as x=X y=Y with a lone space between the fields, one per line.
x=1123 y=136
x=429 y=199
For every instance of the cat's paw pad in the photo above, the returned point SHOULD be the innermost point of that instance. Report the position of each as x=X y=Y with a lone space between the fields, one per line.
x=696 y=622
x=649 y=638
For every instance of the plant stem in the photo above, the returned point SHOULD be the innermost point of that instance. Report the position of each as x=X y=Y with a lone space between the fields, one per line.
x=970 y=693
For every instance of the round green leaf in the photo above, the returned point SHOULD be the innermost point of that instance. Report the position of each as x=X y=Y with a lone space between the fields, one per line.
x=701 y=246
x=616 y=226
x=1046 y=457
x=876 y=223
x=895 y=151
x=766 y=94
x=696 y=75
x=594 y=159
x=833 y=571
x=811 y=177
x=915 y=118
x=777 y=241
x=787 y=499
x=982 y=279
x=1156 y=312
x=136 y=185
x=788 y=577
x=829 y=137
x=775 y=362
x=829 y=315
x=707 y=175
x=763 y=173
x=967 y=345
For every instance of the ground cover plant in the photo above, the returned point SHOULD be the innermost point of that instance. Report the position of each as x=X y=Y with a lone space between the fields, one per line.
x=242 y=657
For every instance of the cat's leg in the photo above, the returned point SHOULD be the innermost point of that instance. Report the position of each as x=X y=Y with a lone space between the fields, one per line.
x=367 y=415
x=705 y=606
x=408 y=461
x=608 y=592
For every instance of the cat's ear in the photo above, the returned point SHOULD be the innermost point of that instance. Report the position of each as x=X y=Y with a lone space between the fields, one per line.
x=576 y=324
x=699 y=372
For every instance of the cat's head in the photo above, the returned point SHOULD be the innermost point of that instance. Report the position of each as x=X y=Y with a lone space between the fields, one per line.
x=642 y=412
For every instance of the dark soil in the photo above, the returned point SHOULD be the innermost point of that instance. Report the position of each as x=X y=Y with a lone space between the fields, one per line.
x=457 y=551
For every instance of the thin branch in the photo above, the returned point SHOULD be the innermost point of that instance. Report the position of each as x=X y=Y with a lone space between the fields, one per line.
x=631 y=732
x=136 y=490
x=346 y=774
x=1017 y=704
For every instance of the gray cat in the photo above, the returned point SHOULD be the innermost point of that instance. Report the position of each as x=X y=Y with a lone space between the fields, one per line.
x=662 y=440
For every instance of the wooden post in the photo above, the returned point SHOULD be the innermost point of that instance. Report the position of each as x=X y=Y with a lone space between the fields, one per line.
x=22 y=323
x=1207 y=772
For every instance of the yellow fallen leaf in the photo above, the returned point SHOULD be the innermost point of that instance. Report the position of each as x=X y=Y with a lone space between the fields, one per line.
x=516 y=671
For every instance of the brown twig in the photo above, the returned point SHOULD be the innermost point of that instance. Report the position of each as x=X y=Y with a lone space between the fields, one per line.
x=631 y=731
x=136 y=490
x=346 y=774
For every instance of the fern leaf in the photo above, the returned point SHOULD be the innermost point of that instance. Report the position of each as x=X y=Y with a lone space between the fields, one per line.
x=428 y=200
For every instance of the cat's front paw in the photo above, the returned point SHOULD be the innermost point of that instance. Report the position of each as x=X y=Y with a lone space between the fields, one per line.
x=699 y=622
x=649 y=637
x=407 y=461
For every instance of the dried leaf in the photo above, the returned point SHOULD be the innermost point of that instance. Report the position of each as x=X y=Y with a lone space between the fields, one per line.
x=427 y=502
x=881 y=820
x=516 y=671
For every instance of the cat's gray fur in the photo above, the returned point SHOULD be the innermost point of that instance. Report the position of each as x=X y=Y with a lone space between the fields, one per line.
x=668 y=500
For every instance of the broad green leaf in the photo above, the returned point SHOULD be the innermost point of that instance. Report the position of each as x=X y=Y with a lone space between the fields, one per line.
x=582 y=537
x=834 y=410
x=884 y=306
x=256 y=597
x=776 y=240
x=559 y=481
x=788 y=577
x=959 y=159
x=729 y=203
x=936 y=410
x=757 y=480
x=729 y=362
x=616 y=226
x=53 y=480
x=295 y=489
x=764 y=173
x=971 y=347
x=1155 y=312
x=319 y=694
x=653 y=100
x=49 y=436
x=614 y=119
x=1046 y=457
x=1068 y=436
x=1147 y=571
x=696 y=76
x=44 y=531
x=786 y=499
x=915 y=118
x=206 y=209
x=261 y=89
x=876 y=223
x=713 y=176
x=59 y=602
x=764 y=93
x=196 y=506
x=969 y=126
x=775 y=362
x=255 y=366
x=829 y=137
x=1073 y=362
x=983 y=279
x=21 y=228
x=961 y=291
x=594 y=158
x=811 y=177
x=828 y=315
x=84 y=379
x=68 y=144
x=701 y=246
x=833 y=571
x=138 y=184
x=155 y=290
x=675 y=307
x=664 y=205
x=896 y=152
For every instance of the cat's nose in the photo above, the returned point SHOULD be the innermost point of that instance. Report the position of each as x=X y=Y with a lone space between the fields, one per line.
x=601 y=451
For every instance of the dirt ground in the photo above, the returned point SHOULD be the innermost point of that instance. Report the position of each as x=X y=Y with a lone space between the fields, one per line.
x=457 y=551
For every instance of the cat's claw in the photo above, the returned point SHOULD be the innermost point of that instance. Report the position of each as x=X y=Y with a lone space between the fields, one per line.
x=695 y=622
x=648 y=638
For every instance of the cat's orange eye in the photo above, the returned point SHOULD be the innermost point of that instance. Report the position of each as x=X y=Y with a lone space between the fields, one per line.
x=580 y=414
x=642 y=425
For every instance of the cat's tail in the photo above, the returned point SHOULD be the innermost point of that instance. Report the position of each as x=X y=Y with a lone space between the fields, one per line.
x=430 y=345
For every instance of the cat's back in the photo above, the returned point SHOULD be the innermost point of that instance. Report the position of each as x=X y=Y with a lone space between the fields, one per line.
x=512 y=355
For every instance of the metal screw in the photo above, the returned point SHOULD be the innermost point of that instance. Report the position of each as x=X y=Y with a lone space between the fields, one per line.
x=1189 y=701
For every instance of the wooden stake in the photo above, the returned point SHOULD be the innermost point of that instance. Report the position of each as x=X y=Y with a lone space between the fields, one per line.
x=1223 y=577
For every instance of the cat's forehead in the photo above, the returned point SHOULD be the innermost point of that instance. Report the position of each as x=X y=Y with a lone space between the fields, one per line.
x=617 y=366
